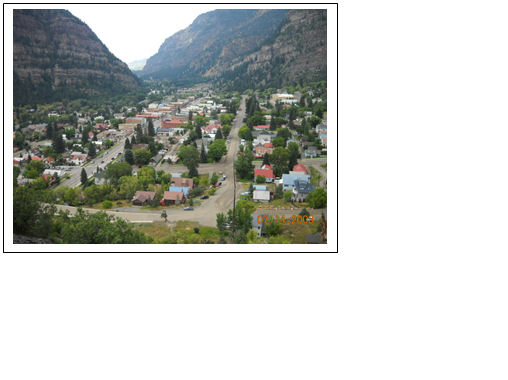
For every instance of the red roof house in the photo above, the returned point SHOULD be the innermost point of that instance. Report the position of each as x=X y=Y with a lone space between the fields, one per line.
x=172 y=197
x=267 y=173
x=262 y=126
x=299 y=168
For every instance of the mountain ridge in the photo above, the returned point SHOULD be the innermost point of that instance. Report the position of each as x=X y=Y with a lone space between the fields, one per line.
x=57 y=56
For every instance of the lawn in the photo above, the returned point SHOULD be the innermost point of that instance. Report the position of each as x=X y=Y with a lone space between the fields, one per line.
x=315 y=176
x=297 y=232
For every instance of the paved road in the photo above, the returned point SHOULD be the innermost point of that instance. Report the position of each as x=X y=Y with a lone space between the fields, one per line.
x=92 y=166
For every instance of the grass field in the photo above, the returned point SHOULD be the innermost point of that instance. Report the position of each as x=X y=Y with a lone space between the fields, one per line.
x=181 y=233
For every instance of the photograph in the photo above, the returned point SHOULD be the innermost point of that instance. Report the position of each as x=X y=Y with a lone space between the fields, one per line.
x=171 y=124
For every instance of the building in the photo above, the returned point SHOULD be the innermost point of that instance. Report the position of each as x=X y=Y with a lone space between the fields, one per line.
x=283 y=98
x=261 y=196
x=172 y=198
x=78 y=158
x=300 y=190
x=143 y=197
x=311 y=152
x=178 y=189
x=259 y=187
x=182 y=182
x=288 y=180
x=262 y=127
x=323 y=138
x=267 y=173
x=299 y=168
x=321 y=128
x=260 y=150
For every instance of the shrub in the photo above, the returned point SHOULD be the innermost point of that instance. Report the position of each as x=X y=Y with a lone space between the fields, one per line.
x=260 y=179
x=196 y=230
x=212 y=191
x=107 y=204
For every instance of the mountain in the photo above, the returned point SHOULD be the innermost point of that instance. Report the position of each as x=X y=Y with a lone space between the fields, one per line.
x=137 y=65
x=57 y=57
x=213 y=39
x=296 y=54
x=241 y=49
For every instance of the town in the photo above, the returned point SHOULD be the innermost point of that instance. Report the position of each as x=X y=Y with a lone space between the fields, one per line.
x=183 y=165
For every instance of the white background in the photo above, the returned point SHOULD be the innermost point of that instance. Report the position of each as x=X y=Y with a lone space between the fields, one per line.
x=420 y=290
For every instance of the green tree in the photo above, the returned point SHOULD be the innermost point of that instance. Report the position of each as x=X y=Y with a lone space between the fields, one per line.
x=129 y=156
x=279 y=142
x=197 y=132
x=19 y=139
x=226 y=129
x=266 y=159
x=317 y=198
x=92 y=195
x=84 y=177
x=243 y=165
x=294 y=153
x=204 y=156
x=116 y=170
x=99 y=228
x=190 y=158
x=58 y=143
x=279 y=192
x=127 y=145
x=280 y=160
x=245 y=133
x=217 y=149
x=146 y=176
x=214 y=178
x=30 y=216
x=142 y=156
x=128 y=185
x=287 y=195
x=273 y=125
x=200 y=121
x=284 y=133
x=151 y=130
x=34 y=169
x=272 y=229
x=92 y=152
x=164 y=215
x=218 y=135
x=260 y=179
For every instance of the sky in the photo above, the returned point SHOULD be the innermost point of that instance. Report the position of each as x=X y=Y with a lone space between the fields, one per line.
x=133 y=32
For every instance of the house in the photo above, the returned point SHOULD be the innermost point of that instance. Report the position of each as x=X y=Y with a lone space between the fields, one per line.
x=299 y=168
x=262 y=149
x=182 y=182
x=267 y=173
x=143 y=197
x=256 y=226
x=178 y=189
x=323 y=138
x=321 y=128
x=171 y=124
x=172 y=198
x=311 y=152
x=259 y=187
x=288 y=180
x=262 y=127
x=78 y=158
x=261 y=139
x=54 y=172
x=283 y=98
x=261 y=196
x=300 y=190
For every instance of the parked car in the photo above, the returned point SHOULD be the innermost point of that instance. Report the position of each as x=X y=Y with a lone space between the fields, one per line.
x=204 y=197
x=224 y=177
x=188 y=209
x=219 y=184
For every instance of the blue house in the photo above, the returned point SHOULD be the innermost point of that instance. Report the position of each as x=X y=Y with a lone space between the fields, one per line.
x=288 y=180
x=178 y=189
x=301 y=190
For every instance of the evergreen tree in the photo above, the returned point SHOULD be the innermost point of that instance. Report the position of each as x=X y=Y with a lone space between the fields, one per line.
x=190 y=116
x=58 y=143
x=198 y=131
x=91 y=150
x=151 y=130
x=133 y=140
x=204 y=156
x=127 y=144
x=266 y=159
x=84 y=177
x=218 y=136
x=273 y=126
x=129 y=156
x=139 y=133
x=94 y=137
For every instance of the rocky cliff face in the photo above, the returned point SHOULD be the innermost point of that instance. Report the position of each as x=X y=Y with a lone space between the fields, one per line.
x=212 y=40
x=296 y=54
x=242 y=49
x=56 y=56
